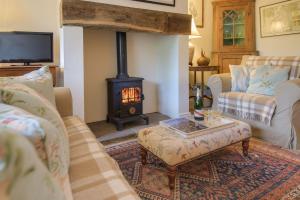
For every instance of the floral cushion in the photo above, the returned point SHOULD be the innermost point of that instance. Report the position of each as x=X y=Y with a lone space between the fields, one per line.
x=22 y=174
x=264 y=80
x=27 y=99
x=40 y=80
x=174 y=150
x=46 y=138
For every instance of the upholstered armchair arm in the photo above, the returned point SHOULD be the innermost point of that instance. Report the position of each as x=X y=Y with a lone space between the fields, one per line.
x=287 y=94
x=219 y=83
x=63 y=99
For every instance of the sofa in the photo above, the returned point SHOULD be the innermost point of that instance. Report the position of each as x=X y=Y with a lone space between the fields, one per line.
x=86 y=152
x=93 y=174
x=284 y=129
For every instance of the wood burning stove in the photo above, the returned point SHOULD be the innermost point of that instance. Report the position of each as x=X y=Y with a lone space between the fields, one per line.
x=125 y=94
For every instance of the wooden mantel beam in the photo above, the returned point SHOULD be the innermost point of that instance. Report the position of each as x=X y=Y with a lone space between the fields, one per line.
x=99 y=15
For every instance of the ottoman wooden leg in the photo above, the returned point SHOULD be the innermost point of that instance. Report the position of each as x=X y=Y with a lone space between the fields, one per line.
x=245 y=144
x=171 y=176
x=144 y=155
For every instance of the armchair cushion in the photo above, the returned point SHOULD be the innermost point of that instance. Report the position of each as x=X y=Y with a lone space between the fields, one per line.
x=240 y=77
x=264 y=79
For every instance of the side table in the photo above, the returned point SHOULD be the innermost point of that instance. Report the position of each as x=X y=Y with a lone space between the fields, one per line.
x=202 y=69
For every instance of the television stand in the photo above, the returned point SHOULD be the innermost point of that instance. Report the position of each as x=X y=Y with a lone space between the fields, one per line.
x=19 y=70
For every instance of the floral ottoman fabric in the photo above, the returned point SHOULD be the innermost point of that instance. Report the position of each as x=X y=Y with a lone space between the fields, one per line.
x=174 y=150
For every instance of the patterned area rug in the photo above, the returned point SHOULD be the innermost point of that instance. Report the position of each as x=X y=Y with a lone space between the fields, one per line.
x=268 y=173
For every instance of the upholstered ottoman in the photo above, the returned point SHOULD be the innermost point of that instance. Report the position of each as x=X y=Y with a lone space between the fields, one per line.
x=175 y=150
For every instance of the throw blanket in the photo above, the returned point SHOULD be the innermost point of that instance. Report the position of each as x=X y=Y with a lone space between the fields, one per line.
x=248 y=106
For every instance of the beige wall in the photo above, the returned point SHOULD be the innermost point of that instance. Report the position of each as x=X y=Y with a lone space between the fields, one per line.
x=206 y=41
x=285 y=45
x=31 y=15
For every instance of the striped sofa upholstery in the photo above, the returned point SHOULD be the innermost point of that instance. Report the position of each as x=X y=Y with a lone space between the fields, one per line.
x=93 y=173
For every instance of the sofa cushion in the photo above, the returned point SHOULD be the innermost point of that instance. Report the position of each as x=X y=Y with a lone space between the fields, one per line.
x=40 y=80
x=22 y=174
x=46 y=138
x=264 y=79
x=27 y=99
x=248 y=106
x=93 y=173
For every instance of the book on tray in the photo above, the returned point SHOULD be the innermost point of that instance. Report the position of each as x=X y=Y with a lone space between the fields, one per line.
x=187 y=127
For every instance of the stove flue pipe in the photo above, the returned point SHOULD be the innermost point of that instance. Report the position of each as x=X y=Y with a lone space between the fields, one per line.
x=122 y=55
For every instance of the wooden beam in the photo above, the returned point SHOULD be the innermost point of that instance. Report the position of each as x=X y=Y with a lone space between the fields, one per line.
x=99 y=15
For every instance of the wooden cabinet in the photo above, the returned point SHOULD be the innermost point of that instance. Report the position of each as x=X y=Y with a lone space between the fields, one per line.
x=233 y=32
x=21 y=70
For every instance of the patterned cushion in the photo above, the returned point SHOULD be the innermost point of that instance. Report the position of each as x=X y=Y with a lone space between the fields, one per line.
x=47 y=139
x=277 y=61
x=22 y=174
x=240 y=76
x=40 y=80
x=173 y=149
x=93 y=173
x=264 y=79
x=27 y=99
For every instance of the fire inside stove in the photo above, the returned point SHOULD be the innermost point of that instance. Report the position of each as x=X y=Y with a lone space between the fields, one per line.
x=131 y=95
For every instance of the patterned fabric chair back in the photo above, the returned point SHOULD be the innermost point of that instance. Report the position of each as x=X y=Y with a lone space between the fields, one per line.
x=276 y=61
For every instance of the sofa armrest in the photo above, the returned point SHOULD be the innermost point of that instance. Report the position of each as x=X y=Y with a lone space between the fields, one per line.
x=63 y=99
x=219 y=83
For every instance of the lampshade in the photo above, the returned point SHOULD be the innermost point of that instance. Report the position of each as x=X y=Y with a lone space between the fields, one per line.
x=194 y=30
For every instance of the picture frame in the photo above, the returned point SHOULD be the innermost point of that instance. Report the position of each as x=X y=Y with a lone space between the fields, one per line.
x=196 y=9
x=159 y=2
x=282 y=18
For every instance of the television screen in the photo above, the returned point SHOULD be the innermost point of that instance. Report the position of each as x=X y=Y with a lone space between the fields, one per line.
x=26 y=47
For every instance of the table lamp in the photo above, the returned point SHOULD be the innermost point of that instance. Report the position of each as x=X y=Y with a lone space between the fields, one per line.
x=194 y=34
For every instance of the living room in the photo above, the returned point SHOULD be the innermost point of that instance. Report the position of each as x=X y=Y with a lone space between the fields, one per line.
x=149 y=99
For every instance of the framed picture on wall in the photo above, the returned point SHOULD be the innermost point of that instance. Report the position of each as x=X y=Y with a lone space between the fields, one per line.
x=196 y=9
x=160 y=2
x=281 y=18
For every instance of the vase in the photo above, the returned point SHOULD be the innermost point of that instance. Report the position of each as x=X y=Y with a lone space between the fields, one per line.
x=203 y=60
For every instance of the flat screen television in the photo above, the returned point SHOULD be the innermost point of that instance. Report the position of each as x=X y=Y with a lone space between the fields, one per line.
x=26 y=47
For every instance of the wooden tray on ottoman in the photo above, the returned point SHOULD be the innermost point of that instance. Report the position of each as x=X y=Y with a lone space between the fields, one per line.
x=175 y=150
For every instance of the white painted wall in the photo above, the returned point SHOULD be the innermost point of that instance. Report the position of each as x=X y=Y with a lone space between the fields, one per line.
x=72 y=60
x=31 y=15
x=285 y=45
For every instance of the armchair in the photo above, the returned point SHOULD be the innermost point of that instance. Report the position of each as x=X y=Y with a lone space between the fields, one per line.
x=285 y=125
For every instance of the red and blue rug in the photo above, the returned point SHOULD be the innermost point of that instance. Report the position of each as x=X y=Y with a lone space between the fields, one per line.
x=268 y=173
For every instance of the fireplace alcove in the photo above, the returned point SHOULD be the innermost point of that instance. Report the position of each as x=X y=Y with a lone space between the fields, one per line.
x=158 y=58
